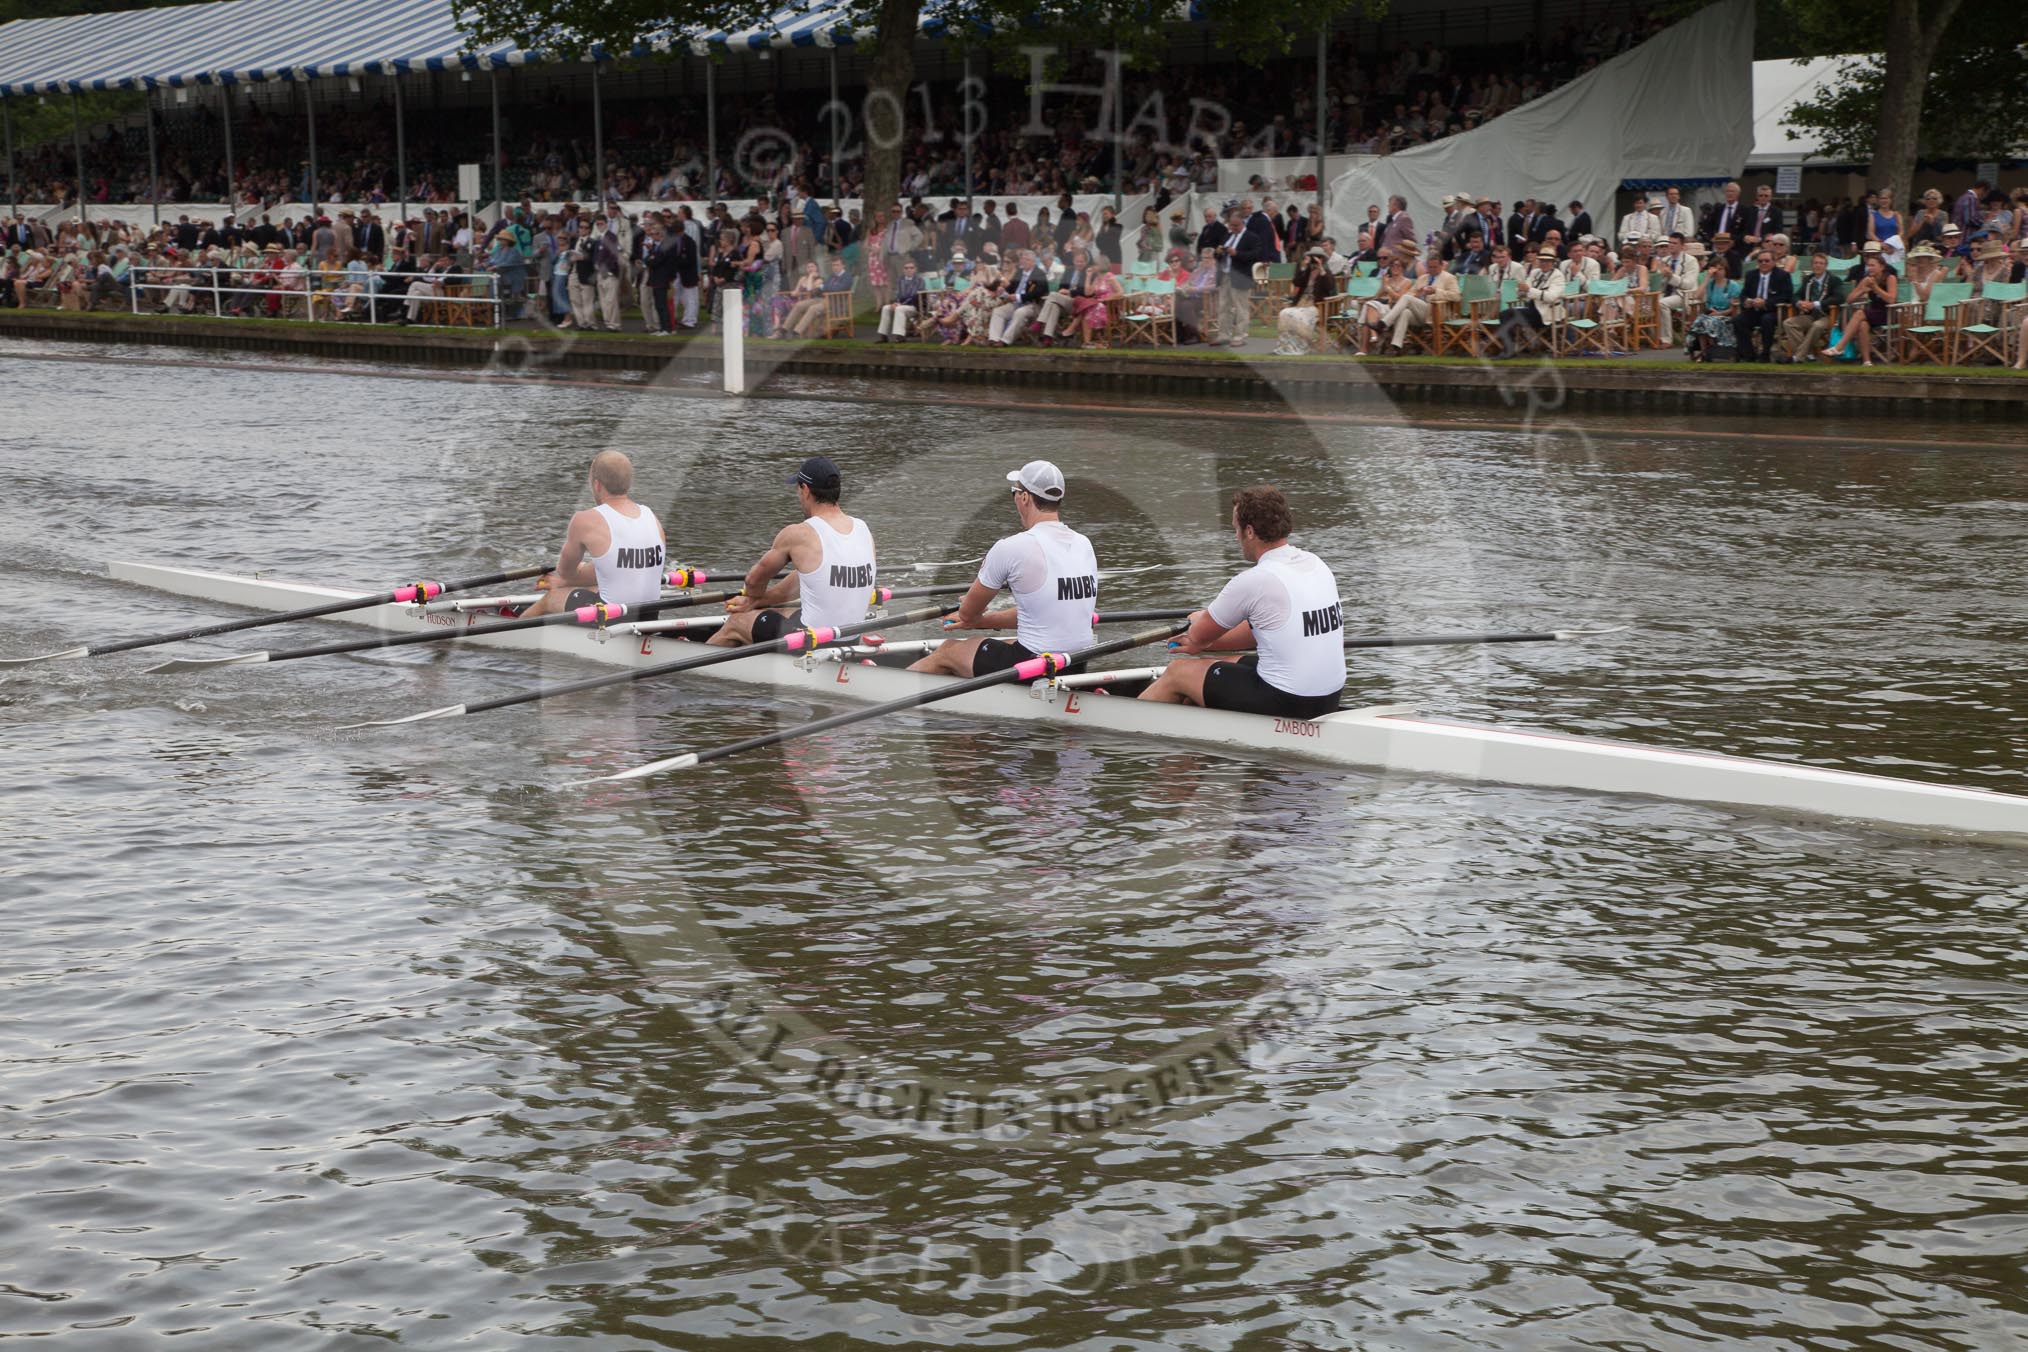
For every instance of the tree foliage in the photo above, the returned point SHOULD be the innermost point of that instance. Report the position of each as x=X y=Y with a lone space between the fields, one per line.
x=1966 y=94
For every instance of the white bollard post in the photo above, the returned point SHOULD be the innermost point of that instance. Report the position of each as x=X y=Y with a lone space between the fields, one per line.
x=733 y=339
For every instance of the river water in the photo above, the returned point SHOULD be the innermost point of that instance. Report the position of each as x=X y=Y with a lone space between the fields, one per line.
x=323 y=1039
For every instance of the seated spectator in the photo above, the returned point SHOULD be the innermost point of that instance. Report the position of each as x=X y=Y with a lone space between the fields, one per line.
x=1297 y=326
x=1395 y=283
x=1090 y=311
x=808 y=314
x=1027 y=287
x=1818 y=294
x=1059 y=306
x=1681 y=265
x=1417 y=308
x=898 y=317
x=1867 y=307
x=1714 y=329
x=1541 y=306
x=1762 y=294
x=809 y=287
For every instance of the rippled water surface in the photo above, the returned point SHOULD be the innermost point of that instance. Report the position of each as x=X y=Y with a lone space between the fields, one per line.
x=322 y=1039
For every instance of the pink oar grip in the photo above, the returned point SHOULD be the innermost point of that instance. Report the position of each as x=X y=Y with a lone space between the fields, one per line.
x=884 y=593
x=593 y=614
x=687 y=577
x=1040 y=666
x=809 y=638
x=421 y=591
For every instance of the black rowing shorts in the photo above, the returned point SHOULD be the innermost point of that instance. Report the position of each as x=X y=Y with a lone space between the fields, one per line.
x=998 y=654
x=1238 y=687
x=770 y=625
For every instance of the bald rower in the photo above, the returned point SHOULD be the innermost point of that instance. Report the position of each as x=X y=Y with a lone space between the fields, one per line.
x=614 y=547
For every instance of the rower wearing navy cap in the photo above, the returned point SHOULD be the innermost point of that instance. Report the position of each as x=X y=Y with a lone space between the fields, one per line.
x=616 y=546
x=1052 y=573
x=829 y=556
x=1286 y=606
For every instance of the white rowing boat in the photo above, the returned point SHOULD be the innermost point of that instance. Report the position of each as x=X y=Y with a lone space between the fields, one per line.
x=1392 y=739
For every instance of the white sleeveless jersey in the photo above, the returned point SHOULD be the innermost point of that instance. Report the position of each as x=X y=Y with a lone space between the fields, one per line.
x=1291 y=599
x=1053 y=575
x=630 y=571
x=839 y=591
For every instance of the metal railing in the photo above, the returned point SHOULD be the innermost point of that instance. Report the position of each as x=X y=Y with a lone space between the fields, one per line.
x=312 y=292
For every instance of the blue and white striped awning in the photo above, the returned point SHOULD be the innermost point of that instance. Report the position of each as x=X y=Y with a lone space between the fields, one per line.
x=247 y=41
x=237 y=41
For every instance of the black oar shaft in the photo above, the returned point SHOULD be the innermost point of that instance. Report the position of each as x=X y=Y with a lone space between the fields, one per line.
x=1435 y=640
x=786 y=643
x=575 y=616
x=931 y=696
x=392 y=596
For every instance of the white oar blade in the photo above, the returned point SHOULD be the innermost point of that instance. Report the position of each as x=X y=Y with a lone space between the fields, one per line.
x=64 y=656
x=682 y=762
x=199 y=663
x=448 y=711
x=1567 y=634
x=945 y=563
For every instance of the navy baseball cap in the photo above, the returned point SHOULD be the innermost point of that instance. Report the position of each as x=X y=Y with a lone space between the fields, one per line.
x=818 y=472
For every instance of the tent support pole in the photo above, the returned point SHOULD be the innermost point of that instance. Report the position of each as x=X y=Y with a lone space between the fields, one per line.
x=400 y=149
x=310 y=103
x=598 y=137
x=13 y=191
x=231 y=197
x=499 y=192
x=154 y=170
x=835 y=110
x=1119 y=80
x=710 y=129
x=965 y=125
x=77 y=147
x=1323 y=211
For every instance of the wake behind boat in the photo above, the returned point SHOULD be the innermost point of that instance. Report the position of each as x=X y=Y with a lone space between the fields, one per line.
x=1392 y=739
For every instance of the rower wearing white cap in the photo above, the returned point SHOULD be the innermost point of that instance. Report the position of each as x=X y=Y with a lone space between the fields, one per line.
x=829 y=556
x=615 y=545
x=1052 y=573
x=1285 y=606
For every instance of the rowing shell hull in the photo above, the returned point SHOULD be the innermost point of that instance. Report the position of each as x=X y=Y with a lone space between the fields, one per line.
x=1386 y=739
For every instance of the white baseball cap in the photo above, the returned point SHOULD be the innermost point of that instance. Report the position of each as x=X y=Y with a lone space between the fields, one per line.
x=1039 y=478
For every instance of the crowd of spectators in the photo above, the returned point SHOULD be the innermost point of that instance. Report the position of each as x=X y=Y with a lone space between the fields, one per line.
x=1729 y=281
x=1180 y=121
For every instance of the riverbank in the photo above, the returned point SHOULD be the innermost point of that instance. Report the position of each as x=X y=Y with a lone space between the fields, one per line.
x=1650 y=382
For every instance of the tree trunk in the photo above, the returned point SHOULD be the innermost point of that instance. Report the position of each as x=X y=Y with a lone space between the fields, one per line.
x=1911 y=46
x=889 y=74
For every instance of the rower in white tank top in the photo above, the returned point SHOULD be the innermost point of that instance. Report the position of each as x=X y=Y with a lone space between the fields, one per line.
x=1290 y=598
x=1053 y=575
x=838 y=591
x=631 y=570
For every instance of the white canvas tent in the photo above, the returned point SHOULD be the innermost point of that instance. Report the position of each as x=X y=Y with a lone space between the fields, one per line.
x=1779 y=86
x=1678 y=108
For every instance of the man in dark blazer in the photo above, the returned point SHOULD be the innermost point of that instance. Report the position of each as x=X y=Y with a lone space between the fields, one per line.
x=1727 y=217
x=1580 y=221
x=1762 y=293
x=658 y=258
x=1763 y=218
x=370 y=237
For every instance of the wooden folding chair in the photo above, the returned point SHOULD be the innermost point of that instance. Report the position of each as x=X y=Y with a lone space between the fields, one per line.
x=1269 y=296
x=1930 y=336
x=1986 y=325
x=1148 y=323
x=1338 y=315
x=1468 y=330
x=838 y=315
x=1644 y=317
x=1594 y=331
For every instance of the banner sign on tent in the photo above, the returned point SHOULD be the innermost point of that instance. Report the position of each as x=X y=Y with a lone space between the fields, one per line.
x=468 y=183
x=1989 y=170
x=1788 y=180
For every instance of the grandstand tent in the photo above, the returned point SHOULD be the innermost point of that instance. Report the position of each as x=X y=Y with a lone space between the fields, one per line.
x=1778 y=86
x=1676 y=109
